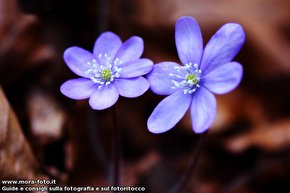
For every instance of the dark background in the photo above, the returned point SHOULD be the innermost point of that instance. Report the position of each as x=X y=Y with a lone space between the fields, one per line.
x=247 y=148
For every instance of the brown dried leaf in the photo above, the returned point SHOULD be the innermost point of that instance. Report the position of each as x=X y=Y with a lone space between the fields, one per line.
x=46 y=117
x=13 y=35
x=22 y=49
x=16 y=158
x=4 y=113
x=271 y=137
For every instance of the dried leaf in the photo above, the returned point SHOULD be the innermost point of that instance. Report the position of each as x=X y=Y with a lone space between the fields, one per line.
x=46 y=117
x=16 y=158
x=4 y=114
x=271 y=137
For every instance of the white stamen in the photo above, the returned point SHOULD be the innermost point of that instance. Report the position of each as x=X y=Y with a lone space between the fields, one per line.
x=104 y=71
x=189 y=82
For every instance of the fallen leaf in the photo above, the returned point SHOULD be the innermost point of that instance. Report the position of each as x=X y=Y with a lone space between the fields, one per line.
x=271 y=137
x=16 y=157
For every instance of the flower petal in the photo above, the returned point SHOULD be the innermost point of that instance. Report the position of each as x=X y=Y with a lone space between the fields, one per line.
x=168 y=112
x=202 y=110
x=104 y=98
x=77 y=60
x=160 y=79
x=132 y=49
x=223 y=79
x=188 y=40
x=79 y=88
x=133 y=87
x=107 y=43
x=136 y=68
x=222 y=47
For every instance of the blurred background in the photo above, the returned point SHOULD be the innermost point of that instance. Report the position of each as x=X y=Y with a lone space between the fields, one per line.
x=44 y=135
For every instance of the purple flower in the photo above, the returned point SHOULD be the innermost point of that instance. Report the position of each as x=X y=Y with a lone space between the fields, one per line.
x=204 y=72
x=114 y=68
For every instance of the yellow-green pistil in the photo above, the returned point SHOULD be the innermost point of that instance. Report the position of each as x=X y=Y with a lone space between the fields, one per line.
x=192 y=78
x=106 y=74
x=190 y=82
x=104 y=71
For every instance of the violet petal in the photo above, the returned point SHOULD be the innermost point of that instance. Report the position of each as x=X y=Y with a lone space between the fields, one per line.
x=136 y=68
x=188 y=40
x=160 y=78
x=107 y=43
x=77 y=60
x=79 y=88
x=133 y=87
x=202 y=110
x=132 y=49
x=223 y=79
x=168 y=112
x=222 y=47
x=104 y=97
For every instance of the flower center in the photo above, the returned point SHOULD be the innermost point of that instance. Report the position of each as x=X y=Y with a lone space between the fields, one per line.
x=192 y=78
x=190 y=82
x=106 y=74
x=104 y=71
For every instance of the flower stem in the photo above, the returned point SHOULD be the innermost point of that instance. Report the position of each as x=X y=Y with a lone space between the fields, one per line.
x=182 y=184
x=116 y=138
x=95 y=138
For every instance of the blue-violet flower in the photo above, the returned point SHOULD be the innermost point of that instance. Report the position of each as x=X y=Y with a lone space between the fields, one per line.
x=114 y=68
x=204 y=72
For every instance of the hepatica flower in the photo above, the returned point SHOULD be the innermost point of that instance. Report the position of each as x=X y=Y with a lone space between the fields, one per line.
x=114 y=68
x=202 y=73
